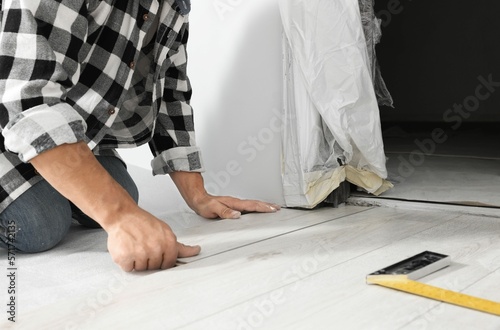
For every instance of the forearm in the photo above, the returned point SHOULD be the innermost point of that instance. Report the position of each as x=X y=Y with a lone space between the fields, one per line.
x=74 y=171
x=190 y=186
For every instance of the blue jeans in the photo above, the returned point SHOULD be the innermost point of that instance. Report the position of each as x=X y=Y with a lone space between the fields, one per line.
x=42 y=216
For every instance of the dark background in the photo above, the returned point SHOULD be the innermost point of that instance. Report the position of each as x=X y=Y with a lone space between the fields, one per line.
x=432 y=52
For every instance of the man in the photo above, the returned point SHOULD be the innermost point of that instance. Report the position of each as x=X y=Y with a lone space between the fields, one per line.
x=79 y=78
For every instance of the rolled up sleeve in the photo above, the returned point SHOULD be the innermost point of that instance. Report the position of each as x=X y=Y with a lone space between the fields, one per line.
x=42 y=128
x=173 y=143
x=39 y=45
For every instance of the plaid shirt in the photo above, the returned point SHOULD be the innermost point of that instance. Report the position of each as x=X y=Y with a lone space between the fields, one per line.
x=73 y=70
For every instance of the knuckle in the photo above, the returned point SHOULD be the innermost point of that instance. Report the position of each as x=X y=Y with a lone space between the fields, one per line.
x=155 y=250
x=171 y=237
x=225 y=211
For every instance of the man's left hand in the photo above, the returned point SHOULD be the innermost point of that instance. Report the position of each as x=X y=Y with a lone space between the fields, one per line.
x=226 y=207
x=192 y=189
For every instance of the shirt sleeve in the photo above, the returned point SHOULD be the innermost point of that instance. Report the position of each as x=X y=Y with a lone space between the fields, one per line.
x=39 y=47
x=173 y=143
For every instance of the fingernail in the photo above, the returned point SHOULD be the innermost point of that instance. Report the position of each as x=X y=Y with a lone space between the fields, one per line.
x=273 y=208
x=235 y=214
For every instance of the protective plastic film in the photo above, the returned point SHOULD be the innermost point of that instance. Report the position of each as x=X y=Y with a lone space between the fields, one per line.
x=373 y=33
x=332 y=124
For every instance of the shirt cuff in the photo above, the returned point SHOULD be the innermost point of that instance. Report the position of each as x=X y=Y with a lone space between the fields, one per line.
x=42 y=128
x=186 y=159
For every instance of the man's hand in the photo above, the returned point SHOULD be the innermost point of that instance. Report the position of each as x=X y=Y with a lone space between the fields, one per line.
x=226 y=207
x=142 y=242
x=136 y=239
x=191 y=187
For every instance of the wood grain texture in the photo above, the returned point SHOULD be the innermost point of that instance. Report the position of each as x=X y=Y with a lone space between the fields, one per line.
x=223 y=235
x=338 y=298
x=300 y=270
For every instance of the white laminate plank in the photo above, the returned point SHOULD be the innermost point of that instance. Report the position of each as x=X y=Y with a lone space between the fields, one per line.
x=439 y=316
x=338 y=298
x=81 y=263
x=218 y=236
x=200 y=289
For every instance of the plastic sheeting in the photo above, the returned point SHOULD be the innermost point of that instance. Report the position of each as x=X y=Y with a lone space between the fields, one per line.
x=373 y=33
x=331 y=119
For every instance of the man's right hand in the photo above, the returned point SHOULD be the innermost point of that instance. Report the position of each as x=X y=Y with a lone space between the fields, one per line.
x=136 y=239
x=142 y=242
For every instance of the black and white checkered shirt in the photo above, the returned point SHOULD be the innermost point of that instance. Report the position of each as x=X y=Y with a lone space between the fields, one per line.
x=73 y=70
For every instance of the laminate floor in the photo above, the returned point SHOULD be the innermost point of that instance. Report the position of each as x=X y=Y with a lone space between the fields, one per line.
x=290 y=270
x=453 y=167
x=444 y=179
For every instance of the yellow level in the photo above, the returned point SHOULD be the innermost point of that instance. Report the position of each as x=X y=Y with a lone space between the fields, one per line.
x=402 y=283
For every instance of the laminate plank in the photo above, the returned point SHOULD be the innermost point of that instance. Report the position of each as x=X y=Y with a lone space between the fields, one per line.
x=81 y=262
x=439 y=316
x=207 y=287
x=338 y=297
x=219 y=236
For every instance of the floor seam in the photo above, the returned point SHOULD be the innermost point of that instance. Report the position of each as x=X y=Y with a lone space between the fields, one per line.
x=279 y=235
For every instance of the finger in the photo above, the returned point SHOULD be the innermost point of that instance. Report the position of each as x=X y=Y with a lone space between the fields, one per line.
x=249 y=205
x=186 y=251
x=155 y=262
x=266 y=207
x=169 y=257
x=141 y=264
x=124 y=262
x=127 y=266
x=225 y=212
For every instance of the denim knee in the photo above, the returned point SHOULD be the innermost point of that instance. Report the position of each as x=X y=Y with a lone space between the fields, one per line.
x=39 y=219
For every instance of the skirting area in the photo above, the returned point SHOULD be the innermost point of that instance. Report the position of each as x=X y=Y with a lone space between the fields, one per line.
x=445 y=179
x=431 y=164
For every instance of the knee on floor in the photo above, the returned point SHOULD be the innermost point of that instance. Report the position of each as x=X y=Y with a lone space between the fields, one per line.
x=43 y=233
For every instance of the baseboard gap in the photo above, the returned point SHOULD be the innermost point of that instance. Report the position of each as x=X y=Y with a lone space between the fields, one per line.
x=485 y=211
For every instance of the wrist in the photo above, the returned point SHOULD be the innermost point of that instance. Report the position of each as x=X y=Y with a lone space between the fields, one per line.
x=190 y=186
x=112 y=205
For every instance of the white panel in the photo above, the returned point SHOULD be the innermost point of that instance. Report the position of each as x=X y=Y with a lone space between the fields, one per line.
x=235 y=66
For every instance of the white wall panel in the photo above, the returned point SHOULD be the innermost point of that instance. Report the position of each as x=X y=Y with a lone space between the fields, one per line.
x=235 y=66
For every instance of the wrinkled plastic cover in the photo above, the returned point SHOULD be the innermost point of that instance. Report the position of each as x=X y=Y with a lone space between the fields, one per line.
x=373 y=33
x=331 y=118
